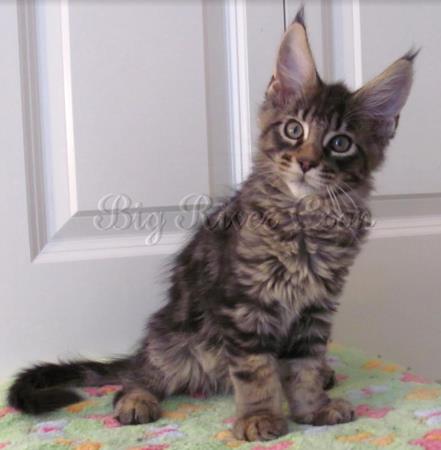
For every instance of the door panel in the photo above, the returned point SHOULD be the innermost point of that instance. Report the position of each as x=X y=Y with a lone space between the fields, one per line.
x=139 y=100
x=414 y=158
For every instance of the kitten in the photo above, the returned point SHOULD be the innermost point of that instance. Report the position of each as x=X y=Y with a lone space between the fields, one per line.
x=253 y=293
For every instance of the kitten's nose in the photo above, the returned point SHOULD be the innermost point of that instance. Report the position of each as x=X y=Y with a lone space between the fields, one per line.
x=307 y=164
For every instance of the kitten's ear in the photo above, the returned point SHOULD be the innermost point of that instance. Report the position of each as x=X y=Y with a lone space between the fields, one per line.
x=295 y=72
x=384 y=96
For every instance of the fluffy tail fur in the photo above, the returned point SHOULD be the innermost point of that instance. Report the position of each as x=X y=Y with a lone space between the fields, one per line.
x=47 y=387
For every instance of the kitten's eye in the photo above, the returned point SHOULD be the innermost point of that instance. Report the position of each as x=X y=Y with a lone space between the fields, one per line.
x=294 y=129
x=340 y=143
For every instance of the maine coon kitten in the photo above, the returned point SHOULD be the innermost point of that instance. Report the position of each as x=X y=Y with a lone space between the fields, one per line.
x=253 y=293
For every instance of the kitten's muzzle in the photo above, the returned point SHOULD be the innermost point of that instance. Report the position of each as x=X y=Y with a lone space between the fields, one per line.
x=307 y=164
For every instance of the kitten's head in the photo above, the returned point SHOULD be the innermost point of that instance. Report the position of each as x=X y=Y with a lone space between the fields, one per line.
x=317 y=136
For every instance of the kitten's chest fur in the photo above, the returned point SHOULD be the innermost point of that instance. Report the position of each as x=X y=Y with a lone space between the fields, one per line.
x=299 y=257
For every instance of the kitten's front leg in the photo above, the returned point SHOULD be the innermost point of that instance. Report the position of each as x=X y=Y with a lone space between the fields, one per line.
x=303 y=384
x=258 y=396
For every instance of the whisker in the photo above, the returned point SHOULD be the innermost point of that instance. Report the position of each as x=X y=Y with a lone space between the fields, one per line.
x=337 y=201
x=330 y=196
x=337 y=186
x=334 y=201
x=348 y=186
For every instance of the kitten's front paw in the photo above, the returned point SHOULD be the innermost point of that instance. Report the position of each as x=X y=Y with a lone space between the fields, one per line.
x=137 y=407
x=260 y=427
x=334 y=412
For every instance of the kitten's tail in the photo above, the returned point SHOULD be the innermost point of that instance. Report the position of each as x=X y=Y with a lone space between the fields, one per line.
x=47 y=387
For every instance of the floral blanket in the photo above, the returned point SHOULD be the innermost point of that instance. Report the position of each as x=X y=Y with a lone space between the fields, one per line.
x=396 y=410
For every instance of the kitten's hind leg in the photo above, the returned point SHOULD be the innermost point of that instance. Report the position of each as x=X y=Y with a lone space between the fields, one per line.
x=143 y=388
x=136 y=405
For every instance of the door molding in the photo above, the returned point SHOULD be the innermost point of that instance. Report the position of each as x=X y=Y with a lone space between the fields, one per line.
x=239 y=88
x=58 y=230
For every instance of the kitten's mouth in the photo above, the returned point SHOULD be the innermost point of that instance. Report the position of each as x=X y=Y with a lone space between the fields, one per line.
x=304 y=180
x=303 y=185
x=300 y=187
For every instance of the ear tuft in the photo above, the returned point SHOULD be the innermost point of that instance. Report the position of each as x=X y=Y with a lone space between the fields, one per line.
x=300 y=16
x=412 y=54
x=295 y=72
x=384 y=96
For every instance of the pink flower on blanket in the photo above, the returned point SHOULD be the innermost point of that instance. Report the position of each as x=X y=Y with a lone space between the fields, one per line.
x=152 y=447
x=50 y=429
x=408 y=377
x=101 y=391
x=368 y=391
x=4 y=445
x=229 y=420
x=373 y=389
x=371 y=412
x=278 y=446
x=156 y=435
x=5 y=411
x=431 y=416
x=430 y=441
x=107 y=421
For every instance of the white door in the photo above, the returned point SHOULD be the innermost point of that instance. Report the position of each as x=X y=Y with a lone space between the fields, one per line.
x=111 y=105
x=135 y=106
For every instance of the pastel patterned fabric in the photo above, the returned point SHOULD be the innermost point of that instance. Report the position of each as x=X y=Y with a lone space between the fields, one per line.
x=396 y=410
